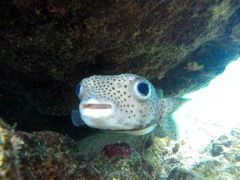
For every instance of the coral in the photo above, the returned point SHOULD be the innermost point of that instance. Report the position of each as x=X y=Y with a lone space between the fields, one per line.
x=180 y=174
x=194 y=66
x=216 y=150
x=203 y=163
x=9 y=152
x=49 y=155
x=131 y=167
x=92 y=146
x=115 y=149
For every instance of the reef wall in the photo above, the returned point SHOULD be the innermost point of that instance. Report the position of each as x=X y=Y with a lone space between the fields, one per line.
x=48 y=46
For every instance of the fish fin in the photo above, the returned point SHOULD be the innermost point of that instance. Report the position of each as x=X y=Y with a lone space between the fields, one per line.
x=159 y=93
x=159 y=132
x=171 y=128
x=167 y=121
x=75 y=117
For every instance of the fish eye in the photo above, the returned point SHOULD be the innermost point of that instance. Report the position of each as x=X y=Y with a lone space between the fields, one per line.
x=142 y=90
x=79 y=90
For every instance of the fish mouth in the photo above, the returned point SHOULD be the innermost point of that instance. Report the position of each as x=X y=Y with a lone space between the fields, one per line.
x=92 y=108
x=97 y=106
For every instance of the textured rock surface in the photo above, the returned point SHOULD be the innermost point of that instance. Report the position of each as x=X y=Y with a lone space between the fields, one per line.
x=49 y=155
x=9 y=150
x=48 y=46
x=188 y=163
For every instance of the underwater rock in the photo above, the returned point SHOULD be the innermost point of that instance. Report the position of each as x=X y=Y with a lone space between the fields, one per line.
x=9 y=153
x=50 y=155
x=216 y=149
x=208 y=169
x=48 y=46
x=113 y=150
x=180 y=174
x=237 y=158
x=176 y=148
x=133 y=167
x=92 y=146
x=197 y=163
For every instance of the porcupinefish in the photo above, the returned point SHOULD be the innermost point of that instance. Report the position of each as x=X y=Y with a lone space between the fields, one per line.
x=125 y=103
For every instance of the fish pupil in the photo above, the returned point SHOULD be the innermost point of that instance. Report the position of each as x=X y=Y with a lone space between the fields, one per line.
x=143 y=88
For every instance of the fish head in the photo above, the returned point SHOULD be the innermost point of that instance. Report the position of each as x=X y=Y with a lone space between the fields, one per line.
x=118 y=102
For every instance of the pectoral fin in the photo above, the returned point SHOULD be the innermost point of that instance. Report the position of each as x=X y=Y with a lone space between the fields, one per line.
x=167 y=121
x=76 y=119
x=171 y=128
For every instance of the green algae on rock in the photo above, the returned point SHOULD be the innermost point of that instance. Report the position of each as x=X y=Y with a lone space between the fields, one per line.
x=10 y=145
x=50 y=155
x=91 y=146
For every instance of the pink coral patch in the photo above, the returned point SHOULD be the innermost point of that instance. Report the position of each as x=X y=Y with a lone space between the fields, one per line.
x=113 y=150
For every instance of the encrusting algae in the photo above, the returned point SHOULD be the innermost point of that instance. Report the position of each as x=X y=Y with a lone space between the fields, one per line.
x=10 y=145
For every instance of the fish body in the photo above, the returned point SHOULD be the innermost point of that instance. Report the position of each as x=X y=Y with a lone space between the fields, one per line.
x=124 y=103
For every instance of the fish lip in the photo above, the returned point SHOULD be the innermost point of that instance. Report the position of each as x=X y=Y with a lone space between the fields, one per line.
x=96 y=106
x=92 y=110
